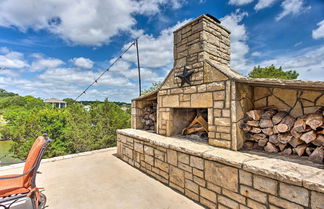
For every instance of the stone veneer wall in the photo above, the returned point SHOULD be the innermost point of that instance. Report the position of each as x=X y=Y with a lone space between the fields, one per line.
x=219 y=178
x=296 y=101
x=216 y=95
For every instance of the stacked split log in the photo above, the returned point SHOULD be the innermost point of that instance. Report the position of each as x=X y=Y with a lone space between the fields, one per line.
x=277 y=131
x=149 y=116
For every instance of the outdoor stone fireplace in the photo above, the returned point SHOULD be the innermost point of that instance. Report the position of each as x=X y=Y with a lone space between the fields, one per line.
x=203 y=93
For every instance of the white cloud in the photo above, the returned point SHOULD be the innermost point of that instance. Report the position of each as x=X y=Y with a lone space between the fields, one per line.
x=307 y=62
x=87 y=22
x=4 y=50
x=239 y=46
x=11 y=59
x=256 y=54
x=292 y=7
x=83 y=62
x=263 y=4
x=239 y=2
x=45 y=63
x=318 y=32
x=154 y=51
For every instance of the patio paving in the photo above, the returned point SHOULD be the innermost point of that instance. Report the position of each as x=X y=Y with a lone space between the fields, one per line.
x=101 y=180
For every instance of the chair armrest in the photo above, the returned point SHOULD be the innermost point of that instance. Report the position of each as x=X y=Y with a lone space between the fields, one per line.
x=18 y=176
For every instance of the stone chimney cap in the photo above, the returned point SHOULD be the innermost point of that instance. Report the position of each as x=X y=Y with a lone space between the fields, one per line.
x=214 y=18
x=206 y=16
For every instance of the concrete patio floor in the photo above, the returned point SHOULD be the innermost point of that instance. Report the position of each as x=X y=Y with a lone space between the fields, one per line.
x=101 y=180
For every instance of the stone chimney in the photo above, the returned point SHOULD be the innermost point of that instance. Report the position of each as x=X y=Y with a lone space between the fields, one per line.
x=201 y=39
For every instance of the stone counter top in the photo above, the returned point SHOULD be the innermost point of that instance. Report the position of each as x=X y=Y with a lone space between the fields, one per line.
x=302 y=175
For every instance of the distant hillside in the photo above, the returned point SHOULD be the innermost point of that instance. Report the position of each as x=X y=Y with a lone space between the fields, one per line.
x=4 y=93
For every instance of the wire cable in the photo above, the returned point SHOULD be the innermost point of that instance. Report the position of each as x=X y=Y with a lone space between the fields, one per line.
x=112 y=64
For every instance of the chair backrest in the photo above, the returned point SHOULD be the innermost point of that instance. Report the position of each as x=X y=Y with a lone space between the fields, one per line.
x=33 y=160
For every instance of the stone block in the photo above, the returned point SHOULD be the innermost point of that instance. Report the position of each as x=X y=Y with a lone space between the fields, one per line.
x=149 y=159
x=197 y=162
x=293 y=193
x=176 y=187
x=162 y=165
x=188 y=176
x=283 y=203
x=317 y=200
x=261 y=92
x=278 y=103
x=222 y=121
x=218 y=104
x=138 y=147
x=159 y=155
x=289 y=96
x=192 y=195
x=176 y=91
x=310 y=95
x=204 y=100
x=202 y=88
x=223 y=129
x=177 y=176
x=214 y=187
x=245 y=178
x=212 y=74
x=198 y=172
x=184 y=158
x=207 y=194
x=192 y=186
x=148 y=150
x=255 y=205
x=217 y=113
x=265 y=184
x=320 y=101
x=253 y=194
x=207 y=203
x=234 y=196
x=219 y=143
x=222 y=175
x=225 y=136
x=185 y=167
x=219 y=95
x=190 y=90
x=170 y=101
x=228 y=202
x=129 y=153
x=226 y=112
x=199 y=181
x=172 y=157
x=215 y=86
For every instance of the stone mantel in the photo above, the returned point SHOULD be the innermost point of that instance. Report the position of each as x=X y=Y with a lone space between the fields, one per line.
x=294 y=173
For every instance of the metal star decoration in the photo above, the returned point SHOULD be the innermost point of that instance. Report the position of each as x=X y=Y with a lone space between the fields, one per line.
x=185 y=76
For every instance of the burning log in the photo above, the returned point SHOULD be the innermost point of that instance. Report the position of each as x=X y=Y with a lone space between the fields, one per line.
x=279 y=132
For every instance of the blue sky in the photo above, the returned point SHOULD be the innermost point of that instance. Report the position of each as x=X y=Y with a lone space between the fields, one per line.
x=56 y=48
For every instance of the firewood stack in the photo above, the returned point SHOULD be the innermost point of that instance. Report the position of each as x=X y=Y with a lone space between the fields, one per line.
x=149 y=116
x=277 y=131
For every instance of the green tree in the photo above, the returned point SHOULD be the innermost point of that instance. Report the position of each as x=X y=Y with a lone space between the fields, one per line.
x=69 y=101
x=73 y=129
x=155 y=86
x=273 y=72
x=24 y=127
x=4 y=93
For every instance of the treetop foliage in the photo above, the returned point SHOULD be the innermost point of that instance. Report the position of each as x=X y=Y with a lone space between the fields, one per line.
x=273 y=72
x=155 y=86
x=73 y=129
